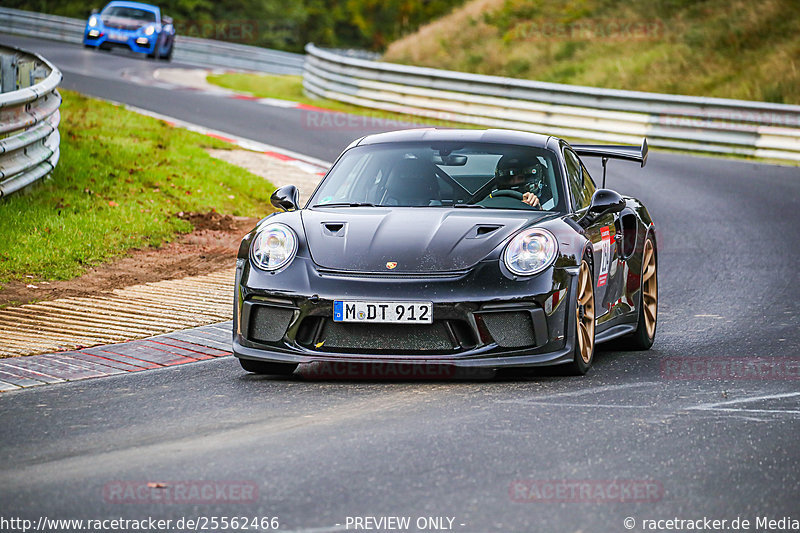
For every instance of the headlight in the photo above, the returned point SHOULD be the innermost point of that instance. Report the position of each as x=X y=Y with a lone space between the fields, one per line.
x=92 y=21
x=149 y=30
x=530 y=251
x=274 y=247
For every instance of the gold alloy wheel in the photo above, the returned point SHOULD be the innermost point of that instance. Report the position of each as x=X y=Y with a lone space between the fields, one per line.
x=649 y=288
x=585 y=313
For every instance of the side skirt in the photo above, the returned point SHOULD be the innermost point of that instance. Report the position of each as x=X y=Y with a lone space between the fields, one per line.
x=614 y=332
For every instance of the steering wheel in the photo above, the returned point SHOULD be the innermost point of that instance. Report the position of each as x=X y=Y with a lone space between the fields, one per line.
x=516 y=195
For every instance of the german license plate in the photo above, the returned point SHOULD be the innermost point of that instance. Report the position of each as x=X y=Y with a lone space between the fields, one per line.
x=383 y=312
x=117 y=37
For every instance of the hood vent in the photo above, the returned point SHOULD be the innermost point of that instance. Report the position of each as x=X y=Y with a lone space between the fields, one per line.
x=334 y=229
x=482 y=230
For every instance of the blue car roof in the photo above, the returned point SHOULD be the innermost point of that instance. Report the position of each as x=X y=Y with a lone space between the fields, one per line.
x=136 y=5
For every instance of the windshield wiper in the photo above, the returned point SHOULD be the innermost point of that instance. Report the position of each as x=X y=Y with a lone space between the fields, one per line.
x=345 y=204
x=470 y=205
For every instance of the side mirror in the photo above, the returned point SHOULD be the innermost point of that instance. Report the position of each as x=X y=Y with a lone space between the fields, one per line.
x=286 y=198
x=166 y=20
x=604 y=201
x=94 y=11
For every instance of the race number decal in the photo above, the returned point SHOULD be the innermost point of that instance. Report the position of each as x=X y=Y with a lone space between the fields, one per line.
x=605 y=261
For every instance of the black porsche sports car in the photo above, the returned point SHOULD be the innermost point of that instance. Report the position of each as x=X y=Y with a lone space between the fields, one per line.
x=468 y=248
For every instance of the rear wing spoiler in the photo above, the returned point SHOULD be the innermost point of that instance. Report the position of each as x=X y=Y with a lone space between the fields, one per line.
x=610 y=151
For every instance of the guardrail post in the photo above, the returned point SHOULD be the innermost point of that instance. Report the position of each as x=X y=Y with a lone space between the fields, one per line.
x=39 y=73
x=25 y=74
x=8 y=73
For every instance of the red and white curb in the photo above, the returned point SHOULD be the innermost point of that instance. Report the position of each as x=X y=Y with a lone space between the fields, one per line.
x=214 y=90
x=306 y=163
x=177 y=348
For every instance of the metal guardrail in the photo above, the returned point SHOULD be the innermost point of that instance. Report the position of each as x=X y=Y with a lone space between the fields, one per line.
x=695 y=124
x=206 y=52
x=698 y=124
x=29 y=117
x=189 y=50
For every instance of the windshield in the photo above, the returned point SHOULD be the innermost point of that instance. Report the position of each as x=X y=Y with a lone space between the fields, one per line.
x=130 y=13
x=444 y=174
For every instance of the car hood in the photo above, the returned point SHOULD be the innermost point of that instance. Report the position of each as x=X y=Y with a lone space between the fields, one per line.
x=367 y=239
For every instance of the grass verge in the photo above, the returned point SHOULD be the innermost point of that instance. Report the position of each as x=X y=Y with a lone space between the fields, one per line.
x=289 y=87
x=120 y=183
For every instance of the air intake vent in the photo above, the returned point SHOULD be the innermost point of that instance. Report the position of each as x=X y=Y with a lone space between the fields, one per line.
x=510 y=329
x=383 y=338
x=268 y=323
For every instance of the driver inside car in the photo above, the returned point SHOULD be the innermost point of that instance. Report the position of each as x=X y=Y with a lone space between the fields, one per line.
x=523 y=176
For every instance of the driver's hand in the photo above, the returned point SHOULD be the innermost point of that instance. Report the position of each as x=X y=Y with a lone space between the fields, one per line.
x=531 y=199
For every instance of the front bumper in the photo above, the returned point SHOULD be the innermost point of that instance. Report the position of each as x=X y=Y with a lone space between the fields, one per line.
x=481 y=318
x=131 y=40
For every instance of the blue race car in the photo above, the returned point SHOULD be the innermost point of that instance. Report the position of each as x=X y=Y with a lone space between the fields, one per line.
x=131 y=25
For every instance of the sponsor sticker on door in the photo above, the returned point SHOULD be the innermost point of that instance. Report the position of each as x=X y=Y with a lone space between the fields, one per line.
x=605 y=261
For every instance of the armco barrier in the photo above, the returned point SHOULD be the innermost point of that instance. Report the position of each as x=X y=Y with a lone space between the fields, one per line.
x=190 y=50
x=671 y=121
x=29 y=139
x=698 y=124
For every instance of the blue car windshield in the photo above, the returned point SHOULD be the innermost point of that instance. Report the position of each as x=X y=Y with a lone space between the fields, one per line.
x=444 y=174
x=141 y=15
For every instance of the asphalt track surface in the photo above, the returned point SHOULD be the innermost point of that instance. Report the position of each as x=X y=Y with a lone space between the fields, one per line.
x=320 y=451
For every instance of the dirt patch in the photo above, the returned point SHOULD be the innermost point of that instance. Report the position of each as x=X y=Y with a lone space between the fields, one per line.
x=211 y=221
x=210 y=247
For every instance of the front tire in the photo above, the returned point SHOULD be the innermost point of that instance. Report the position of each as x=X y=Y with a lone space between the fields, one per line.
x=585 y=323
x=156 y=50
x=272 y=369
x=168 y=55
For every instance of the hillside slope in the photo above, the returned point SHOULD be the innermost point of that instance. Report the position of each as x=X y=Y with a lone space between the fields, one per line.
x=725 y=48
